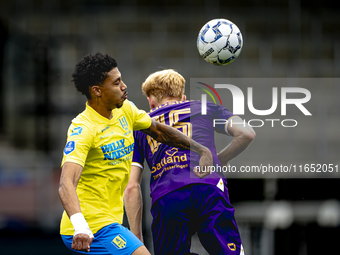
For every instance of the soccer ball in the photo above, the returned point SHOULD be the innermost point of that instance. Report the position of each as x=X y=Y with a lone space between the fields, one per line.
x=219 y=42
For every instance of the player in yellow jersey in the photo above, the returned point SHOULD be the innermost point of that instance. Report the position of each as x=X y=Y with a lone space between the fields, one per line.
x=97 y=160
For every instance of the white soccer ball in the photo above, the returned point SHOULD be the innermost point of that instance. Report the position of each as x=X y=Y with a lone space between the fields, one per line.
x=219 y=42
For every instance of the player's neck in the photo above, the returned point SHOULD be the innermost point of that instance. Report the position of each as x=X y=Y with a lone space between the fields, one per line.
x=168 y=100
x=98 y=107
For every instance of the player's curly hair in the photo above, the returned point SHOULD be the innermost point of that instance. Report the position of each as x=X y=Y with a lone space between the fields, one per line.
x=164 y=84
x=92 y=70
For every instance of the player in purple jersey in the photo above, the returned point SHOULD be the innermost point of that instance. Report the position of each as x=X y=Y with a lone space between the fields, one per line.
x=182 y=203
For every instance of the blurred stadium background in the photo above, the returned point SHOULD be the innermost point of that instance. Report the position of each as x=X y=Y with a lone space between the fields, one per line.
x=41 y=41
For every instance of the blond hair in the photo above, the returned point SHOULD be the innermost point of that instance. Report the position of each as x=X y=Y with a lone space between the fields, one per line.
x=164 y=84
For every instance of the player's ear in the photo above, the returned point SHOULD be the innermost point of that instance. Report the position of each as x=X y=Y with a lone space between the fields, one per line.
x=96 y=91
x=151 y=102
x=184 y=98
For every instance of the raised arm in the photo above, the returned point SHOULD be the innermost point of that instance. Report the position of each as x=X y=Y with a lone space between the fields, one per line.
x=173 y=137
x=69 y=179
x=133 y=202
x=243 y=136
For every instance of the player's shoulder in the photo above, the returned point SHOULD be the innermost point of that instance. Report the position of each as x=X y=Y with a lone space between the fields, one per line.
x=128 y=107
x=84 y=121
x=197 y=106
x=213 y=106
x=130 y=103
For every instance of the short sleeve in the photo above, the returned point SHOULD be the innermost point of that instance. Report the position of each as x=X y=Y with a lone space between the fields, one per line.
x=224 y=115
x=79 y=142
x=138 y=157
x=141 y=119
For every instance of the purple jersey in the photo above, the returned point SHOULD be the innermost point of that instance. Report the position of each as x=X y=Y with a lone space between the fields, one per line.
x=171 y=167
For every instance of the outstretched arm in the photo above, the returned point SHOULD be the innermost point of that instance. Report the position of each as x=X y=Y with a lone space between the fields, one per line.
x=243 y=136
x=133 y=202
x=173 y=137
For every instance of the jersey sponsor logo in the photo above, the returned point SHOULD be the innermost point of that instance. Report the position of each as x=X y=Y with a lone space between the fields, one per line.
x=70 y=146
x=119 y=242
x=107 y=135
x=116 y=150
x=172 y=151
x=76 y=131
x=120 y=160
x=232 y=246
x=127 y=133
x=168 y=168
x=169 y=162
x=105 y=128
x=124 y=123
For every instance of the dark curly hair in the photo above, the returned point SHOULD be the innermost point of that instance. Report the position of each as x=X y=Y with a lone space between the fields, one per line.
x=92 y=70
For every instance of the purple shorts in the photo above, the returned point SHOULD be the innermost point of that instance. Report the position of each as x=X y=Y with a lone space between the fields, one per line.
x=198 y=208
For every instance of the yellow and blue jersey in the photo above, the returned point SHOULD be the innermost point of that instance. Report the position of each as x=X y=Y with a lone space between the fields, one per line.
x=104 y=149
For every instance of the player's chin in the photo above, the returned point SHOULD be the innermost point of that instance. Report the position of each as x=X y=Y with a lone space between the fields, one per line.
x=120 y=104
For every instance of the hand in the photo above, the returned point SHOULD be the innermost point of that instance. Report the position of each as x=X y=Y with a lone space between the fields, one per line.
x=82 y=242
x=206 y=161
